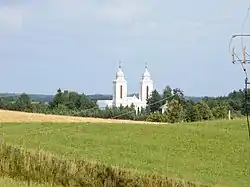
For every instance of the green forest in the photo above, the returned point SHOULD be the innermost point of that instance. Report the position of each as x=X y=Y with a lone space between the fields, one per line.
x=180 y=108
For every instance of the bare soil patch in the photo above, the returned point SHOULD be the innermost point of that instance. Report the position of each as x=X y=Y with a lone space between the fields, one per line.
x=14 y=116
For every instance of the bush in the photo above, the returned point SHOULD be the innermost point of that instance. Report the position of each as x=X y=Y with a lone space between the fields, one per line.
x=157 y=117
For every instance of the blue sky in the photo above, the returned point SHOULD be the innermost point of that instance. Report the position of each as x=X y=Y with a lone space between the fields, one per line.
x=76 y=44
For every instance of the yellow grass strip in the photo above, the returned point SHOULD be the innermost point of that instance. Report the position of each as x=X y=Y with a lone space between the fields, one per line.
x=19 y=117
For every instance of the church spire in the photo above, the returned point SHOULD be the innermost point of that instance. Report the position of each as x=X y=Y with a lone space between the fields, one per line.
x=120 y=64
x=146 y=73
x=119 y=73
x=146 y=85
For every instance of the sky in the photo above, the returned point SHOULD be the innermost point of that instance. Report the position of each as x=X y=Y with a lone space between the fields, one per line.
x=77 y=44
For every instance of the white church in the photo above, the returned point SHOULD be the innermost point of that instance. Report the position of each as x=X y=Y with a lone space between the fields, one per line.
x=120 y=92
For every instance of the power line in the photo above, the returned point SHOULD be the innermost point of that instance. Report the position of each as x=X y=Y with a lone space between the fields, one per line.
x=243 y=25
x=114 y=117
x=151 y=104
x=244 y=61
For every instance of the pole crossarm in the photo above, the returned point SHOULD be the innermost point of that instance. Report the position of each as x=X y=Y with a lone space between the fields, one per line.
x=243 y=61
x=240 y=35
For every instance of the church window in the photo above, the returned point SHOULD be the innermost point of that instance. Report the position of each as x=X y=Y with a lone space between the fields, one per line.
x=147 y=90
x=121 y=91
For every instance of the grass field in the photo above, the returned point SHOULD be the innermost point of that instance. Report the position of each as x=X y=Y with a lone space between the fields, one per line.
x=7 y=182
x=15 y=116
x=215 y=152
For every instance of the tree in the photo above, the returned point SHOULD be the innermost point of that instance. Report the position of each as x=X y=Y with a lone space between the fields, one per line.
x=85 y=103
x=174 y=111
x=2 y=104
x=23 y=103
x=58 y=99
x=167 y=94
x=40 y=107
x=72 y=100
x=154 y=102
x=189 y=111
x=203 y=112
x=179 y=95
x=220 y=111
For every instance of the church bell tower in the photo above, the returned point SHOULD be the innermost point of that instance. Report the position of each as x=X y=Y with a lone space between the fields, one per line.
x=146 y=86
x=119 y=88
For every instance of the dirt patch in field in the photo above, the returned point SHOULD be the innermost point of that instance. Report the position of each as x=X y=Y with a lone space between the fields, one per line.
x=14 y=116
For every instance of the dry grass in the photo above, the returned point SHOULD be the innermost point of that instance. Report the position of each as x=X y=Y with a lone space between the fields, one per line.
x=14 y=116
x=41 y=167
x=8 y=182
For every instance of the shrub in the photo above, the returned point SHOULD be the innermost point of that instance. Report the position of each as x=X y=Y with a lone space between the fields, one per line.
x=157 y=117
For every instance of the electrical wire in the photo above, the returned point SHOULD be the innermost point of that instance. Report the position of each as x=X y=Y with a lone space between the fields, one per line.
x=245 y=71
x=246 y=94
x=243 y=25
x=161 y=100
x=114 y=117
x=242 y=62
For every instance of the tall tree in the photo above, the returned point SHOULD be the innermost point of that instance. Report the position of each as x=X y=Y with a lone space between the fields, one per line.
x=167 y=93
x=58 y=99
x=23 y=103
x=154 y=102
x=174 y=111
x=189 y=110
x=179 y=95
x=204 y=111
x=86 y=103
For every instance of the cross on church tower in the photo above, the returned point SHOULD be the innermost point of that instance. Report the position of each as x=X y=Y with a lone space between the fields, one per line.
x=120 y=64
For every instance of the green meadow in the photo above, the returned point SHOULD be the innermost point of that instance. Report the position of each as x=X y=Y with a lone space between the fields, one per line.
x=214 y=153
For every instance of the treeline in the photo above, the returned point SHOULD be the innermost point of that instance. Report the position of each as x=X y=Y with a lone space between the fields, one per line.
x=177 y=109
x=71 y=104
x=180 y=109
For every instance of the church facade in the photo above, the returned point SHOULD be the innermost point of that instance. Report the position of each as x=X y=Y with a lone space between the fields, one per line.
x=120 y=92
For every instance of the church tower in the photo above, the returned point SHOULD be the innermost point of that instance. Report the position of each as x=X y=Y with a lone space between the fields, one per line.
x=146 y=86
x=119 y=88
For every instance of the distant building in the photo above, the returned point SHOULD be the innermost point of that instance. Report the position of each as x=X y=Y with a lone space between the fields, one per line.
x=120 y=92
x=164 y=107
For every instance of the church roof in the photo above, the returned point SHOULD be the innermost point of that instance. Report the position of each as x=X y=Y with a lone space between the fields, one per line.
x=164 y=106
x=146 y=74
x=134 y=98
x=119 y=73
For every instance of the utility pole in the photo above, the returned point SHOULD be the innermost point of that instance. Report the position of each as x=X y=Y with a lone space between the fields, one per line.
x=229 y=115
x=243 y=61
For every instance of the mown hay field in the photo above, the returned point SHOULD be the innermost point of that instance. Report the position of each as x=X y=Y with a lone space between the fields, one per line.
x=215 y=152
x=16 y=116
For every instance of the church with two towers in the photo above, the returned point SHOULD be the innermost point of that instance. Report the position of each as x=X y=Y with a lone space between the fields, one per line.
x=120 y=91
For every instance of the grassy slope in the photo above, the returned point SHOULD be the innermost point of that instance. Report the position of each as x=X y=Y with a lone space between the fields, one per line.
x=6 y=182
x=209 y=152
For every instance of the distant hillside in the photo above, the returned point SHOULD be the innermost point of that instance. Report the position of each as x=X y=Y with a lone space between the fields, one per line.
x=33 y=97
x=48 y=98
